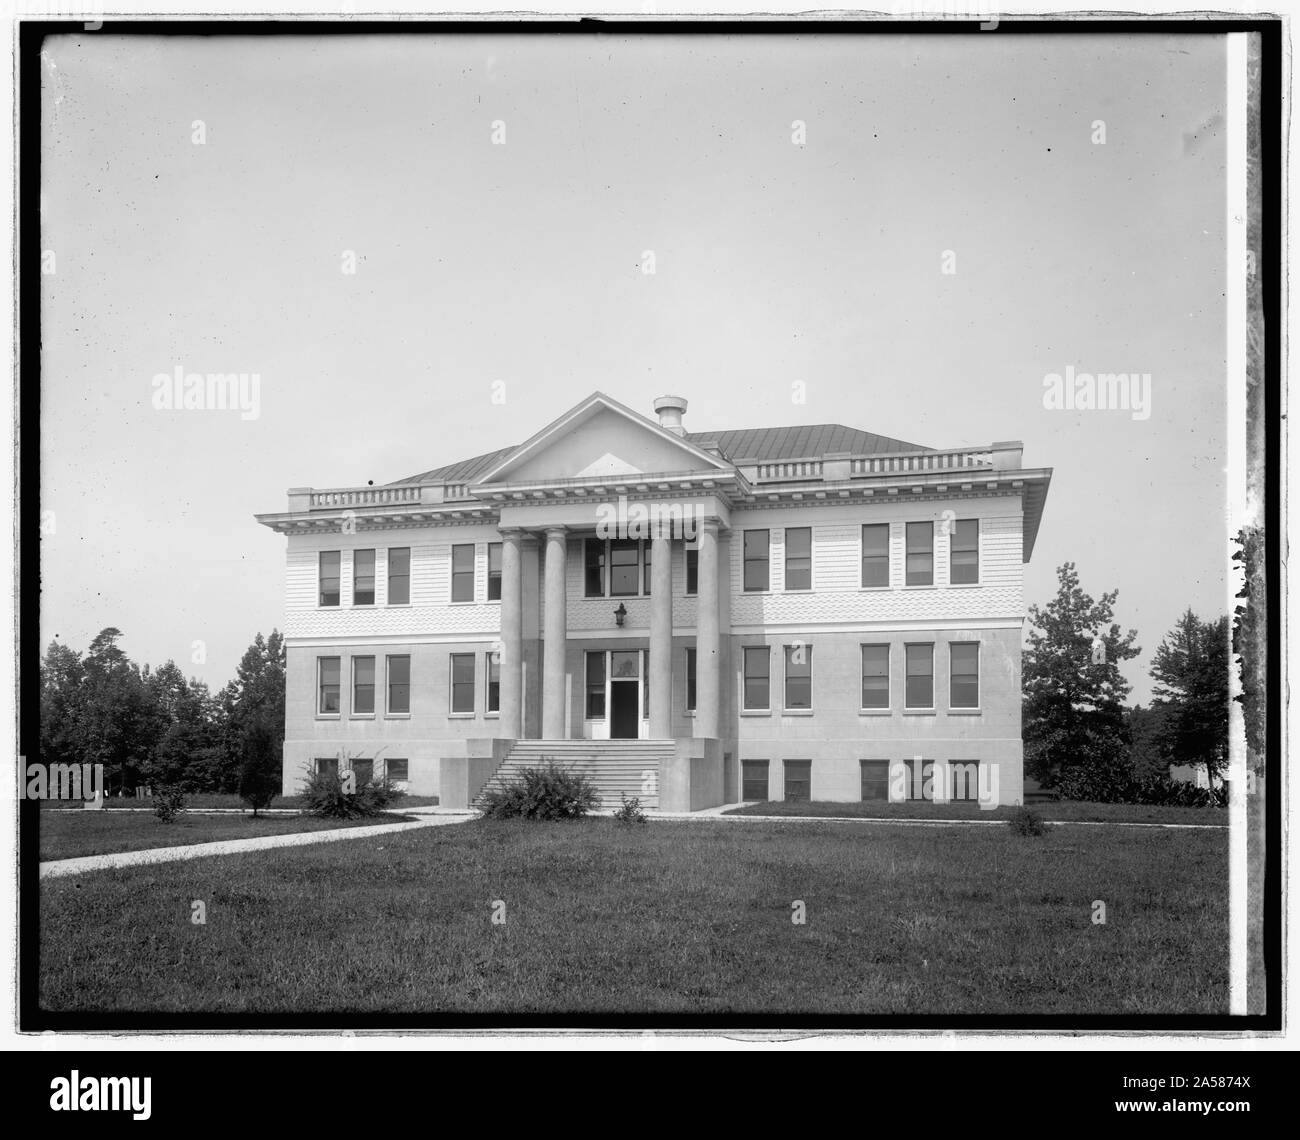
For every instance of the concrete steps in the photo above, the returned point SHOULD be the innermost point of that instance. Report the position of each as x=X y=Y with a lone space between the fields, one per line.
x=615 y=767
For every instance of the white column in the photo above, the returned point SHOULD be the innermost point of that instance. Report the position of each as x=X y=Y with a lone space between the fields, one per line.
x=553 y=645
x=707 y=664
x=512 y=636
x=661 y=637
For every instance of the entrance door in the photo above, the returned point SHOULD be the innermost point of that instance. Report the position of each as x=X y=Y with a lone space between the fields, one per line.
x=624 y=694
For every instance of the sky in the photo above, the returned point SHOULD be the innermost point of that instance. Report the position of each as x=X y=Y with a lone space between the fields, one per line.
x=202 y=197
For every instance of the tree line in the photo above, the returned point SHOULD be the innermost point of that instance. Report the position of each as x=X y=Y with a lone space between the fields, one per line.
x=1080 y=736
x=154 y=727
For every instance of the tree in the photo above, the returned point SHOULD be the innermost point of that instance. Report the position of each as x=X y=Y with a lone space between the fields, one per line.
x=62 y=696
x=254 y=701
x=259 y=775
x=1074 y=719
x=1190 y=669
x=117 y=722
x=187 y=729
x=1148 y=755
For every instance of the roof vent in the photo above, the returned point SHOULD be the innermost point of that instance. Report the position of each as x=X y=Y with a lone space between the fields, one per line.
x=670 y=410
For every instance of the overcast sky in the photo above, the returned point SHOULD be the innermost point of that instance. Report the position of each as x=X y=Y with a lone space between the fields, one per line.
x=479 y=262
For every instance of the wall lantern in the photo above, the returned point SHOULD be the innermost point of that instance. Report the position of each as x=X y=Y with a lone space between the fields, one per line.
x=620 y=615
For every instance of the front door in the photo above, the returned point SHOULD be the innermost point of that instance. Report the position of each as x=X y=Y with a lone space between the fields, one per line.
x=624 y=694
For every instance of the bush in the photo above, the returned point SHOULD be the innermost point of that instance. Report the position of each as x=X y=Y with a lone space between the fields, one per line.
x=326 y=794
x=259 y=769
x=1085 y=785
x=631 y=811
x=1026 y=821
x=168 y=802
x=542 y=793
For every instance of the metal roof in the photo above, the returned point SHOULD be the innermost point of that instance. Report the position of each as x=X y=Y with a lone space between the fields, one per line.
x=763 y=445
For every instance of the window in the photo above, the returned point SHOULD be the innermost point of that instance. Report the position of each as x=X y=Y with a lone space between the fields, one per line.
x=798 y=558
x=596 y=685
x=462 y=682
x=399 y=683
x=645 y=567
x=917 y=774
x=758 y=667
x=364 y=771
x=875 y=676
x=493 y=674
x=920 y=677
x=363 y=577
x=645 y=683
x=462 y=572
x=399 y=575
x=798 y=676
x=327 y=765
x=692 y=570
x=920 y=554
x=756 y=559
x=624 y=567
x=494 y=571
x=397 y=769
x=875 y=554
x=798 y=781
x=329 y=577
x=363 y=686
x=964 y=691
x=690 y=680
x=753 y=780
x=328 y=670
x=964 y=552
x=594 y=567
x=964 y=781
x=875 y=779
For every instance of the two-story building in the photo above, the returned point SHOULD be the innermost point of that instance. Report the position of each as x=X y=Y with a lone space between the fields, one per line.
x=695 y=618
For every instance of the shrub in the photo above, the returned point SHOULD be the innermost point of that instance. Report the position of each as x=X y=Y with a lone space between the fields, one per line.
x=631 y=811
x=168 y=802
x=327 y=794
x=1026 y=821
x=259 y=769
x=1081 y=785
x=542 y=793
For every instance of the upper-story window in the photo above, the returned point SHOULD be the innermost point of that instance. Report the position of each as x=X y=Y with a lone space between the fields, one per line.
x=920 y=554
x=330 y=560
x=798 y=558
x=964 y=552
x=758 y=670
x=798 y=677
x=399 y=683
x=624 y=567
x=399 y=575
x=494 y=572
x=875 y=554
x=692 y=569
x=363 y=686
x=462 y=572
x=757 y=559
x=616 y=567
x=875 y=676
x=918 y=691
x=327 y=685
x=964 y=685
x=363 y=577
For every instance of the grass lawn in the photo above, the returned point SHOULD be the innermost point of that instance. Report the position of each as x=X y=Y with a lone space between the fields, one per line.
x=669 y=917
x=1056 y=809
x=69 y=835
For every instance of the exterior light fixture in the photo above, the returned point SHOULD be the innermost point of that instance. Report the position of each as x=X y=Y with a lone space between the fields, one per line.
x=620 y=615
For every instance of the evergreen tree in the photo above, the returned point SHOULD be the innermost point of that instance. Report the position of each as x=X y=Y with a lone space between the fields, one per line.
x=1190 y=669
x=1073 y=711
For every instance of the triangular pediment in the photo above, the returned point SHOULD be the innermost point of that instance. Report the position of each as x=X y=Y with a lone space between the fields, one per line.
x=601 y=438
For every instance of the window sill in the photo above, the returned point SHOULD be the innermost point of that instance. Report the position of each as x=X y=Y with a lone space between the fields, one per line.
x=928 y=586
x=491 y=716
x=965 y=712
x=397 y=605
x=798 y=712
x=963 y=585
x=875 y=712
x=920 y=712
x=329 y=716
x=461 y=716
x=755 y=712
x=874 y=589
x=463 y=602
x=361 y=716
x=397 y=716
